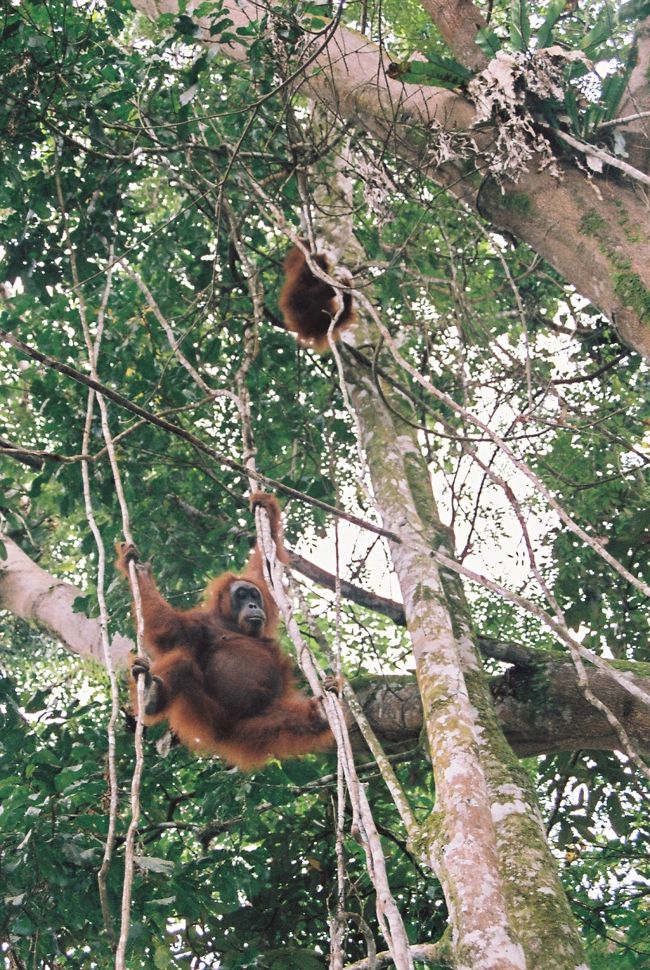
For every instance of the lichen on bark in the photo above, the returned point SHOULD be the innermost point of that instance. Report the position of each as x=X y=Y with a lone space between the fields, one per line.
x=464 y=736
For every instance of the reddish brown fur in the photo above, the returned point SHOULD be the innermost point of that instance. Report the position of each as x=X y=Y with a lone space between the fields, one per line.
x=309 y=304
x=221 y=690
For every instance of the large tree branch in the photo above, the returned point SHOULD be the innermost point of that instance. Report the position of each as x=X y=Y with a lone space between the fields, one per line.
x=33 y=594
x=539 y=703
x=581 y=224
x=541 y=711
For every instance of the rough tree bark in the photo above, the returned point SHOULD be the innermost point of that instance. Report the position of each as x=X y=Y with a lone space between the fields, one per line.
x=458 y=21
x=592 y=228
x=541 y=709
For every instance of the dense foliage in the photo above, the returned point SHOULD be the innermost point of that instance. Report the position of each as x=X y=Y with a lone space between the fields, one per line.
x=134 y=147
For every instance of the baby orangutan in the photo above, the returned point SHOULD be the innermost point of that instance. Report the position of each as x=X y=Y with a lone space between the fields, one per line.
x=309 y=304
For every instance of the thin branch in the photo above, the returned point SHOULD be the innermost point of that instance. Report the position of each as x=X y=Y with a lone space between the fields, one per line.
x=113 y=787
x=363 y=597
x=93 y=351
x=591 y=150
x=625 y=120
x=35 y=459
x=179 y=432
x=521 y=466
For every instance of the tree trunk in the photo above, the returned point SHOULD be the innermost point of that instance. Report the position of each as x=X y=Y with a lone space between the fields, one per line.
x=486 y=840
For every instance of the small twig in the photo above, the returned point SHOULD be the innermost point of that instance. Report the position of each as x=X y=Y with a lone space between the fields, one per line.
x=625 y=120
x=601 y=155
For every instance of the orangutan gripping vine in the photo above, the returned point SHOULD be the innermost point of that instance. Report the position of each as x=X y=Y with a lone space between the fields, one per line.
x=309 y=304
x=218 y=676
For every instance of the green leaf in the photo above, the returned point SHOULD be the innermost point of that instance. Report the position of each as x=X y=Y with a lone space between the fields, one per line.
x=634 y=10
x=448 y=67
x=114 y=21
x=185 y=26
x=596 y=37
x=83 y=857
x=23 y=926
x=591 y=118
x=166 y=20
x=220 y=26
x=83 y=605
x=96 y=128
x=488 y=41
x=545 y=32
x=519 y=25
x=440 y=71
x=208 y=8
x=571 y=106
x=613 y=90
